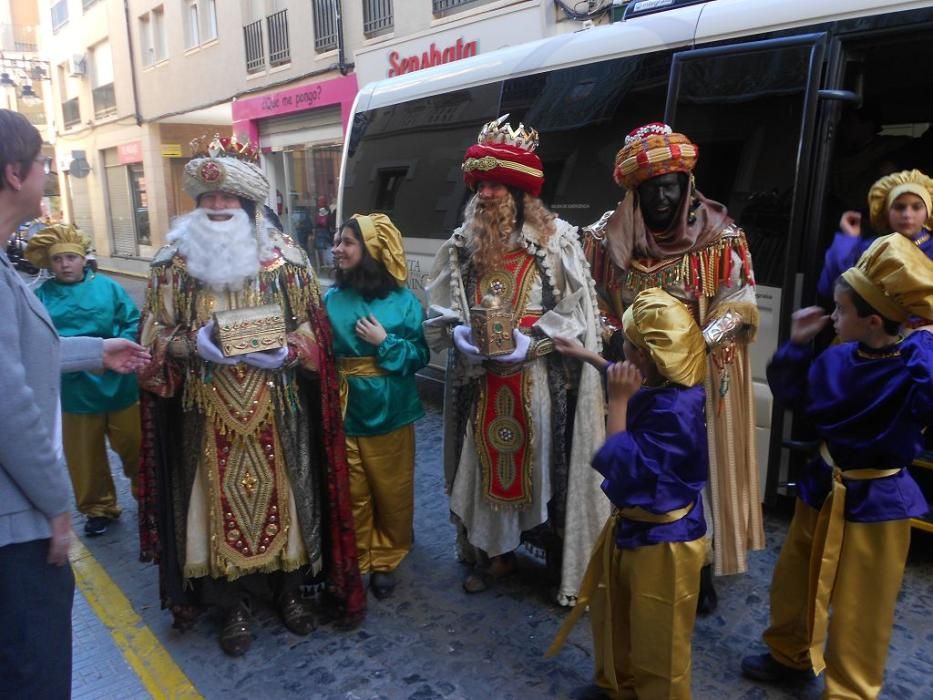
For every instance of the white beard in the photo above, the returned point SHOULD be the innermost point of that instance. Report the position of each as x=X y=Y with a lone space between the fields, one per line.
x=224 y=255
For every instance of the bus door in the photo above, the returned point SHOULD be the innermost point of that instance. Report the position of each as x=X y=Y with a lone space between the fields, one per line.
x=751 y=107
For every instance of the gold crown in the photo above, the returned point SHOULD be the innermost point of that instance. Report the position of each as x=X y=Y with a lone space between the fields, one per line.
x=500 y=131
x=224 y=147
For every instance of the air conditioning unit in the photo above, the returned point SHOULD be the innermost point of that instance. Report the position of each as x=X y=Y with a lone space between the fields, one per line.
x=77 y=66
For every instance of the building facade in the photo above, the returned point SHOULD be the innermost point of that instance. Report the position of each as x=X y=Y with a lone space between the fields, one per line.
x=132 y=83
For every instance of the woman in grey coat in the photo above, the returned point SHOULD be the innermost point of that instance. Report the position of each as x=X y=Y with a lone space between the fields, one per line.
x=36 y=583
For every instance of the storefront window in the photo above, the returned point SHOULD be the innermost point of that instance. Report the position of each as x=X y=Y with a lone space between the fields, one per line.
x=306 y=197
x=140 y=203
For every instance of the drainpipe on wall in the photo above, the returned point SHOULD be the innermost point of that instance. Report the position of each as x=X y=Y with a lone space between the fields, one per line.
x=342 y=66
x=129 y=40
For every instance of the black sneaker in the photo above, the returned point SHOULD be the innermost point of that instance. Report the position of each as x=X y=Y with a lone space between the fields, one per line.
x=96 y=525
x=765 y=668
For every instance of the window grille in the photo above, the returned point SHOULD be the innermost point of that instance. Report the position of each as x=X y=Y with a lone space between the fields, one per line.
x=325 y=25
x=377 y=15
x=277 y=28
x=255 y=53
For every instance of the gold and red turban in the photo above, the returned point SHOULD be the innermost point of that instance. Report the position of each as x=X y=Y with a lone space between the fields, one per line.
x=505 y=155
x=652 y=150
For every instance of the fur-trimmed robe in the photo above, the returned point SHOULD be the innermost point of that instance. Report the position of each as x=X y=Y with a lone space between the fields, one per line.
x=566 y=402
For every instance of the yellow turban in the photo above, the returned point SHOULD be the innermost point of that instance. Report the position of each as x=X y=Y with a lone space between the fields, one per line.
x=384 y=243
x=55 y=240
x=660 y=324
x=883 y=193
x=895 y=277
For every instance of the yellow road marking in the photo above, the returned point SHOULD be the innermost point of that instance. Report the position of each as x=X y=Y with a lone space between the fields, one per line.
x=157 y=672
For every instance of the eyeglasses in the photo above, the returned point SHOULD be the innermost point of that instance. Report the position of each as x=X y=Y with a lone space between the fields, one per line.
x=46 y=164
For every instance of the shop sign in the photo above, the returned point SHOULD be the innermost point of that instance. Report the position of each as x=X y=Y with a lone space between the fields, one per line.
x=131 y=152
x=171 y=150
x=432 y=56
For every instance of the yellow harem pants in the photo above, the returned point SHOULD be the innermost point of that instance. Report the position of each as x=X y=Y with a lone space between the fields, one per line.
x=83 y=435
x=642 y=611
x=382 y=487
x=864 y=596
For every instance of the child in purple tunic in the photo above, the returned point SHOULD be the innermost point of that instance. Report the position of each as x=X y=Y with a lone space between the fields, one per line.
x=869 y=398
x=901 y=202
x=644 y=574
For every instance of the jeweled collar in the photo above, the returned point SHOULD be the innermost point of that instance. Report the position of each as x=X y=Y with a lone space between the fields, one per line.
x=892 y=350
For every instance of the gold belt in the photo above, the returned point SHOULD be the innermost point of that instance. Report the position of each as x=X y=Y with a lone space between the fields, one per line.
x=827 y=546
x=355 y=367
x=599 y=566
x=640 y=515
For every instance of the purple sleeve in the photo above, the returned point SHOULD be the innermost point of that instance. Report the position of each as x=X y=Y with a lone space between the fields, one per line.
x=660 y=463
x=787 y=374
x=917 y=351
x=840 y=256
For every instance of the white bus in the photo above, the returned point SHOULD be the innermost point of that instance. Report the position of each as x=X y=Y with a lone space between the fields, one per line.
x=797 y=107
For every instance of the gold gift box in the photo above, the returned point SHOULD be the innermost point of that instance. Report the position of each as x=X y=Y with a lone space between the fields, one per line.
x=241 y=331
x=492 y=324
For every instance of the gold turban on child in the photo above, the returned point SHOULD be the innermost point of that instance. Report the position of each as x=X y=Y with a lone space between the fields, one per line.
x=660 y=324
x=384 y=243
x=883 y=193
x=55 y=240
x=895 y=277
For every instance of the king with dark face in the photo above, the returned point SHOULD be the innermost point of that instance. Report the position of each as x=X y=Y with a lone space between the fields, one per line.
x=660 y=199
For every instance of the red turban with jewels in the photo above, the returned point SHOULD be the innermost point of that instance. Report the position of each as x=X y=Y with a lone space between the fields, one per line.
x=506 y=156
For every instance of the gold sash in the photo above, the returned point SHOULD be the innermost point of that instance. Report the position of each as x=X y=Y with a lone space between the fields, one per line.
x=599 y=569
x=355 y=367
x=827 y=547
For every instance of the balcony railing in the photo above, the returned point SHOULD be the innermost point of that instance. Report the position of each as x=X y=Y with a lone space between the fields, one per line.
x=277 y=28
x=325 y=25
x=105 y=101
x=377 y=15
x=59 y=14
x=442 y=6
x=255 y=54
x=71 y=112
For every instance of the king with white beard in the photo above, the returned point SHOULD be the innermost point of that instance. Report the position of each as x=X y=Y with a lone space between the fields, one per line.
x=244 y=480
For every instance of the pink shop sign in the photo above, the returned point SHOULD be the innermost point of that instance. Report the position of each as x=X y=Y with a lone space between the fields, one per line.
x=298 y=99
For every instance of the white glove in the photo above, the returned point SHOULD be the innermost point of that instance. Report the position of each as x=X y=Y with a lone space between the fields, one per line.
x=522 y=343
x=463 y=340
x=208 y=350
x=266 y=359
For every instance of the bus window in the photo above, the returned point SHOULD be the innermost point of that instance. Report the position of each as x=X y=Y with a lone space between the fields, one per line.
x=404 y=159
x=583 y=114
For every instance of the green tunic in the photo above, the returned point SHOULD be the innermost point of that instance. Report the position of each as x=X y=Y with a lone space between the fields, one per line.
x=97 y=307
x=379 y=405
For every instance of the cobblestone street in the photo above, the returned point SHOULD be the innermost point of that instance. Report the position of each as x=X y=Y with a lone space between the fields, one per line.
x=430 y=640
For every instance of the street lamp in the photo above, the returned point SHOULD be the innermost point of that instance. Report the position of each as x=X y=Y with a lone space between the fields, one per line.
x=29 y=97
x=26 y=71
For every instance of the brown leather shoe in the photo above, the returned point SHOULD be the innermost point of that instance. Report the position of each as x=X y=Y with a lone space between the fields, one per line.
x=236 y=635
x=296 y=616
